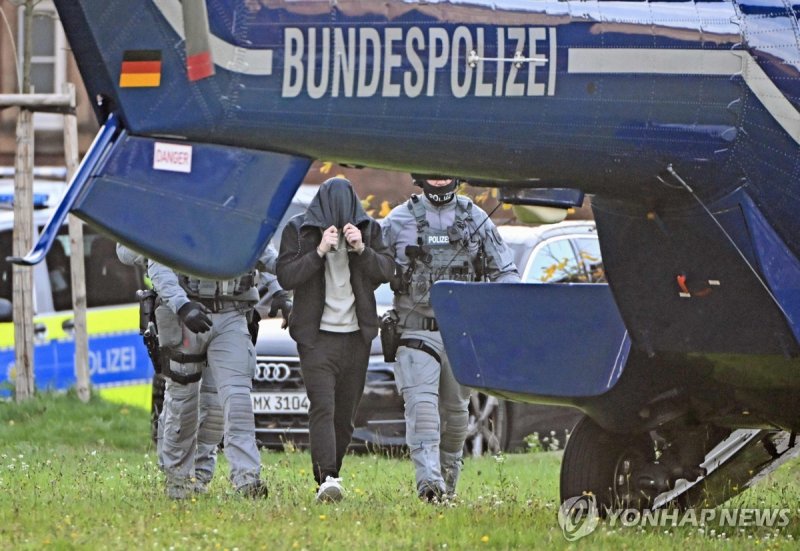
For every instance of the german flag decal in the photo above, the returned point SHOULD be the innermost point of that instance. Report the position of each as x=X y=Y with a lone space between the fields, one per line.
x=140 y=68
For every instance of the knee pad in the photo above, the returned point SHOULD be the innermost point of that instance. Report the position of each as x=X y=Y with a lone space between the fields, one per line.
x=455 y=423
x=422 y=419
x=212 y=424
x=240 y=411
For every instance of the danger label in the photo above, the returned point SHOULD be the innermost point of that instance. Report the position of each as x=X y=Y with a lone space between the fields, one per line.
x=172 y=157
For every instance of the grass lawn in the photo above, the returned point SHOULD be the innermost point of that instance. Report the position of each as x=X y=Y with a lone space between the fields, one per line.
x=75 y=476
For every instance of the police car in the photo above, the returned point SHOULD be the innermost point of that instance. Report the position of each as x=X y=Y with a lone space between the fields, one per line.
x=119 y=367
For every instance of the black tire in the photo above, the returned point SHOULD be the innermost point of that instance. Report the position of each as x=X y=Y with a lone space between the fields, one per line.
x=157 y=403
x=591 y=460
x=487 y=431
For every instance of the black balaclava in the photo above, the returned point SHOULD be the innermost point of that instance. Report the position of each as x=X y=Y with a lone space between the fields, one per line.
x=335 y=204
x=440 y=195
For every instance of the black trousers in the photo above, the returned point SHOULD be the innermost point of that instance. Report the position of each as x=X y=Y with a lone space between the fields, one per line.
x=334 y=371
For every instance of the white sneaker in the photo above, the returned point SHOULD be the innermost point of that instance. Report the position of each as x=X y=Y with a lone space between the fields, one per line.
x=331 y=490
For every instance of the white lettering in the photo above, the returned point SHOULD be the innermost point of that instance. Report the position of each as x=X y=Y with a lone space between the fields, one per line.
x=501 y=53
x=631 y=517
x=706 y=516
x=534 y=88
x=317 y=89
x=415 y=89
x=364 y=62
x=436 y=61
x=612 y=515
x=461 y=36
x=728 y=517
x=551 y=64
x=368 y=88
x=113 y=360
x=482 y=89
x=344 y=62
x=294 y=45
x=687 y=518
x=765 y=517
x=514 y=88
x=649 y=518
x=746 y=517
x=391 y=60
x=438 y=240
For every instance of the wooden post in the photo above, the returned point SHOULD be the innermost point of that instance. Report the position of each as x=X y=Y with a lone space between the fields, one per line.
x=23 y=237
x=23 y=241
x=22 y=276
x=77 y=267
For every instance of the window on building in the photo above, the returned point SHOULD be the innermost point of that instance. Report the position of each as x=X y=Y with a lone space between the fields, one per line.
x=48 y=58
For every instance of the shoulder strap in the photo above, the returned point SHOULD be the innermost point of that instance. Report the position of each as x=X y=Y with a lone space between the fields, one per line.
x=464 y=210
x=418 y=209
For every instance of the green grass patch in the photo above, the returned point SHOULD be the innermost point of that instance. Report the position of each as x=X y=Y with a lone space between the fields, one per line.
x=84 y=476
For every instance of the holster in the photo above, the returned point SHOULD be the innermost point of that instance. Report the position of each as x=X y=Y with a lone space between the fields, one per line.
x=170 y=337
x=148 y=328
x=180 y=357
x=390 y=335
x=147 y=308
x=170 y=334
x=253 y=317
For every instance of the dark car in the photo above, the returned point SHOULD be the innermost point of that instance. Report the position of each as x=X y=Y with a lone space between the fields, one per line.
x=565 y=252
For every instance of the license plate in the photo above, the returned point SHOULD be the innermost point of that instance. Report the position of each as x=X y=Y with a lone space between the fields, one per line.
x=279 y=402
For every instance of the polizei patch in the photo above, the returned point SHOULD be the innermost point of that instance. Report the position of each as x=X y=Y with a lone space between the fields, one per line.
x=438 y=240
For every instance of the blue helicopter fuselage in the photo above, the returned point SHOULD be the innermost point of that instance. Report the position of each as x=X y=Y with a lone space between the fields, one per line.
x=680 y=118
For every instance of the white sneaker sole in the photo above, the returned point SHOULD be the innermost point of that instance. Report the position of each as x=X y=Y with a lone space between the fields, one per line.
x=330 y=494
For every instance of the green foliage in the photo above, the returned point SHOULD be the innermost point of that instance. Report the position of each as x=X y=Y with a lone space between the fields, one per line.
x=534 y=443
x=550 y=443
x=62 y=487
x=52 y=419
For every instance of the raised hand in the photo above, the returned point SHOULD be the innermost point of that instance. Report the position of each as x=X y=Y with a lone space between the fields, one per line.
x=330 y=238
x=354 y=238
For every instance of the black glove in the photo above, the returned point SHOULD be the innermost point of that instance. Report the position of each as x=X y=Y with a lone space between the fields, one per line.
x=280 y=301
x=194 y=317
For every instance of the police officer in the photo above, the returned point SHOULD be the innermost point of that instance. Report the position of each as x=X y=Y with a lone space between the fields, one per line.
x=203 y=328
x=437 y=235
x=209 y=417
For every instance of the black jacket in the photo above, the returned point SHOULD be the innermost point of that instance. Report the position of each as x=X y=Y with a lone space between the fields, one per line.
x=300 y=268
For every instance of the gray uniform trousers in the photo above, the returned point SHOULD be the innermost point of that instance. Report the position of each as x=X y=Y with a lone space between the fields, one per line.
x=431 y=393
x=230 y=365
x=210 y=425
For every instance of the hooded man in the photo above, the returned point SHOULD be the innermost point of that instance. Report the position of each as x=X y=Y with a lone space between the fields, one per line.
x=333 y=257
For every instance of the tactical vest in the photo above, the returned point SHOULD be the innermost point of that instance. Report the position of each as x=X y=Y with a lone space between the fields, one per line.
x=445 y=252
